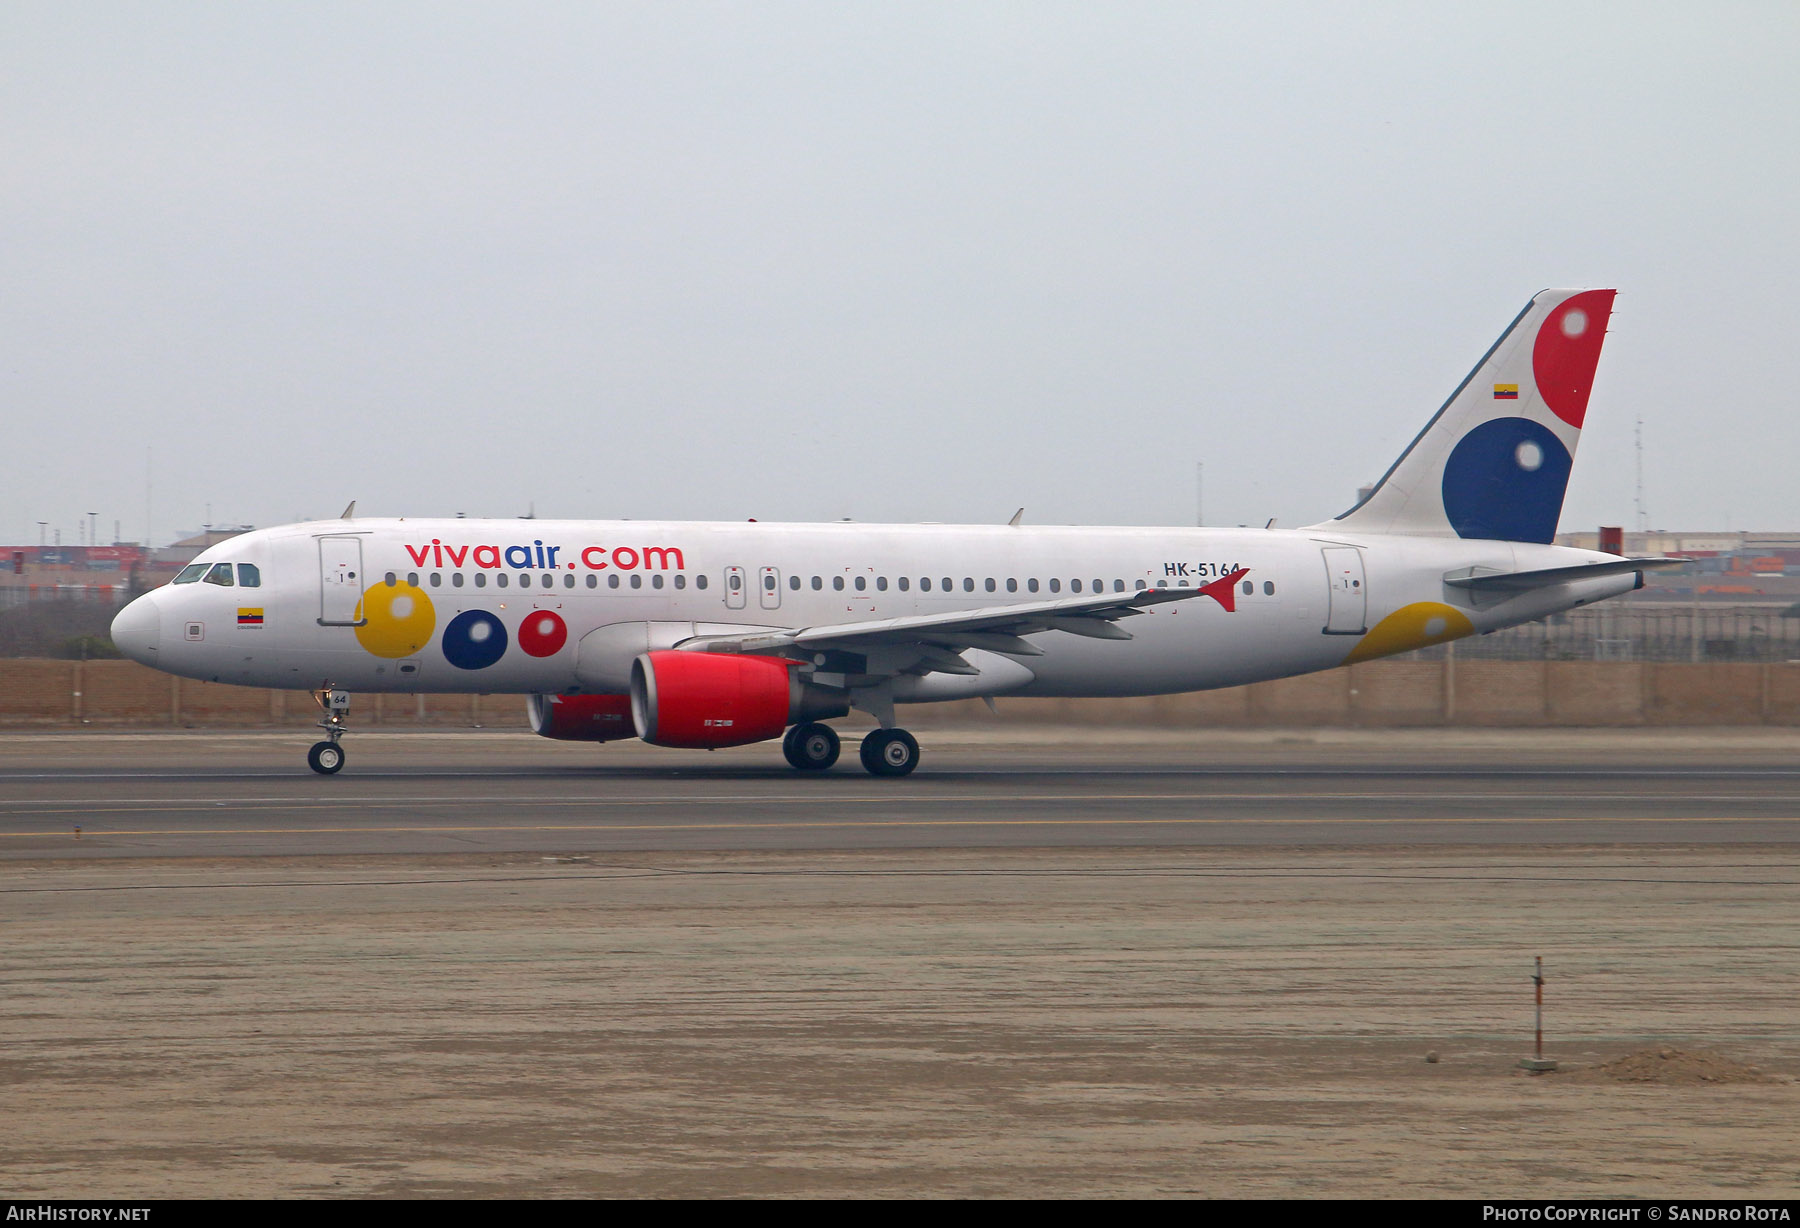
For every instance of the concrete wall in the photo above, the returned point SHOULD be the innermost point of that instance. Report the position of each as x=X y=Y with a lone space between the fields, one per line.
x=53 y=694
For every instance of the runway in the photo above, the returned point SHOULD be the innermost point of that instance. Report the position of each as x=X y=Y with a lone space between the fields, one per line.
x=1050 y=963
x=248 y=795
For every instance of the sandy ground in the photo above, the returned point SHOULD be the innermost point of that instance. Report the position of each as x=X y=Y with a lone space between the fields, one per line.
x=983 y=1023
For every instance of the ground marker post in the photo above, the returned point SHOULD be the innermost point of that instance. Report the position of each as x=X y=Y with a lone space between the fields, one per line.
x=1539 y=1064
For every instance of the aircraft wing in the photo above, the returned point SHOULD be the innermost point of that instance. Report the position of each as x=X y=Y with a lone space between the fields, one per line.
x=938 y=637
x=1524 y=581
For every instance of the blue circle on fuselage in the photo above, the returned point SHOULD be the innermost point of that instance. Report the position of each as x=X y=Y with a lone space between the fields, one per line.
x=1505 y=481
x=474 y=639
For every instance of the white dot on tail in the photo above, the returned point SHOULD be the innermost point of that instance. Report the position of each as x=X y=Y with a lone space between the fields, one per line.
x=1434 y=627
x=1529 y=456
x=1574 y=323
x=401 y=608
x=479 y=632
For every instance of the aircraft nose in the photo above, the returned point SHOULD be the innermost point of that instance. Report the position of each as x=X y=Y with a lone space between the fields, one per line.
x=137 y=630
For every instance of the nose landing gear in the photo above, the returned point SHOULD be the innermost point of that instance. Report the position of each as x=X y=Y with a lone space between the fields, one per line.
x=327 y=757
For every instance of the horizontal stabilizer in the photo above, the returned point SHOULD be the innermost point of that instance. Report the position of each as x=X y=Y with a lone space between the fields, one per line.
x=1524 y=581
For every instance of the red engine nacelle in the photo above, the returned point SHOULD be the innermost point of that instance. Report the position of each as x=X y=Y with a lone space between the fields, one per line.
x=709 y=699
x=581 y=718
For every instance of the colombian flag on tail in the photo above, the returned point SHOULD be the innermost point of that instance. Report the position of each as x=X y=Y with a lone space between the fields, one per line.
x=1506 y=392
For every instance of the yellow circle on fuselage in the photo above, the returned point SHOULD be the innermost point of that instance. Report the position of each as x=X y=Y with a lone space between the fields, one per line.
x=1411 y=626
x=397 y=620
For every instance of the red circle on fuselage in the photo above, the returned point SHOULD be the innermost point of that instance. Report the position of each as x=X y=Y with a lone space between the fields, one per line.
x=543 y=633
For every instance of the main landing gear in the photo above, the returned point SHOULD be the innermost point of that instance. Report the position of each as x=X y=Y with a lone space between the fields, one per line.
x=813 y=747
x=327 y=757
x=890 y=752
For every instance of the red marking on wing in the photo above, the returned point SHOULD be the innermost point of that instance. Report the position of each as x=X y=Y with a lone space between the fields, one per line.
x=1224 y=590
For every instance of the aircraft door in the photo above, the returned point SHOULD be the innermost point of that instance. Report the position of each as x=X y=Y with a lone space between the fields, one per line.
x=768 y=587
x=340 y=581
x=1349 y=591
x=734 y=588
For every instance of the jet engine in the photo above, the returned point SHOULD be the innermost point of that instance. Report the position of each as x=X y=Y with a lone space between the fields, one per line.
x=704 y=700
x=581 y=718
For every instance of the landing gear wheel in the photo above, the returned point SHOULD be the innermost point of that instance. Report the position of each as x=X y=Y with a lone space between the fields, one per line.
x=890 y=752
x=811 y=747
x=325 y=758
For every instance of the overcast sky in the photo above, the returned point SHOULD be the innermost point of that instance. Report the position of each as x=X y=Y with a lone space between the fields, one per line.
x=882 y=261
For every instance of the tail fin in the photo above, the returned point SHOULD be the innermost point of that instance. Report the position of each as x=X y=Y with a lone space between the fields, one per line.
x=1494 y=461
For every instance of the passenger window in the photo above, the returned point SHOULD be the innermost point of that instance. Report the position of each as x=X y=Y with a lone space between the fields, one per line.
x=1118 y=586
x=837 y=582
x=656 y=580
x=1248 y=588
x=390 y=579
x=437 y=579
x=1268 y=588
x=1162 y=584
x=924 y=584
x=1031 y=585
x=190 y=573
x=1056 y=586
x=1074 y=586
x=569 y=580
x=990 y=584
x=905 y=583
x=768 y=584
x=220 y=574
x=593 y=581
x=481 y=579
x=637 y=581
x=733 y=582
x=817 y=584
x=456 y=579
x=1099 y=586
x=794 y=583
x=612 y=581
x=881 y=584
x=699 y=581
x=502 y=580
x=1140 y=586
x=861 y=584
x=680 y=580
x=549 y=580
x=947 y=584
x=968 y=584
x=1012 y=584
x=249 y=576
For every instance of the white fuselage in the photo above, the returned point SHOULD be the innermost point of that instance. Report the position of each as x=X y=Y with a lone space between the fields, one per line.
x=1309 y=599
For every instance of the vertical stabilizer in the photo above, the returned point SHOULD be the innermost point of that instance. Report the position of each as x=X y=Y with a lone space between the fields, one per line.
x=1494 y=461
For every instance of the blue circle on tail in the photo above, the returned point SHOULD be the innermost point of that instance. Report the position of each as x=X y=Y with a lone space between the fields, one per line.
x=1505 y=480
x=474 y=639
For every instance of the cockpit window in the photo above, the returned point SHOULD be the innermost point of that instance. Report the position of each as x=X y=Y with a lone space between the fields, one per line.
x=220 y=574
x=249 y=576
x=190 y=573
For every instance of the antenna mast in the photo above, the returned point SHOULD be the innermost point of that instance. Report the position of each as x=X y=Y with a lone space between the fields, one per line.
x=1643 y=517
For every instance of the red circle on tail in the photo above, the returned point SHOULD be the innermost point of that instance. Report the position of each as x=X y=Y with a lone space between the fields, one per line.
x=1568 y=350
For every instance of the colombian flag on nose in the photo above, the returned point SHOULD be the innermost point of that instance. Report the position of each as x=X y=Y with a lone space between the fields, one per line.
x=249 y=618
x=1506 y=392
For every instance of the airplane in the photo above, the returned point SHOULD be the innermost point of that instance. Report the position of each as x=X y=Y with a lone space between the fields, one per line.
x=708 y=635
